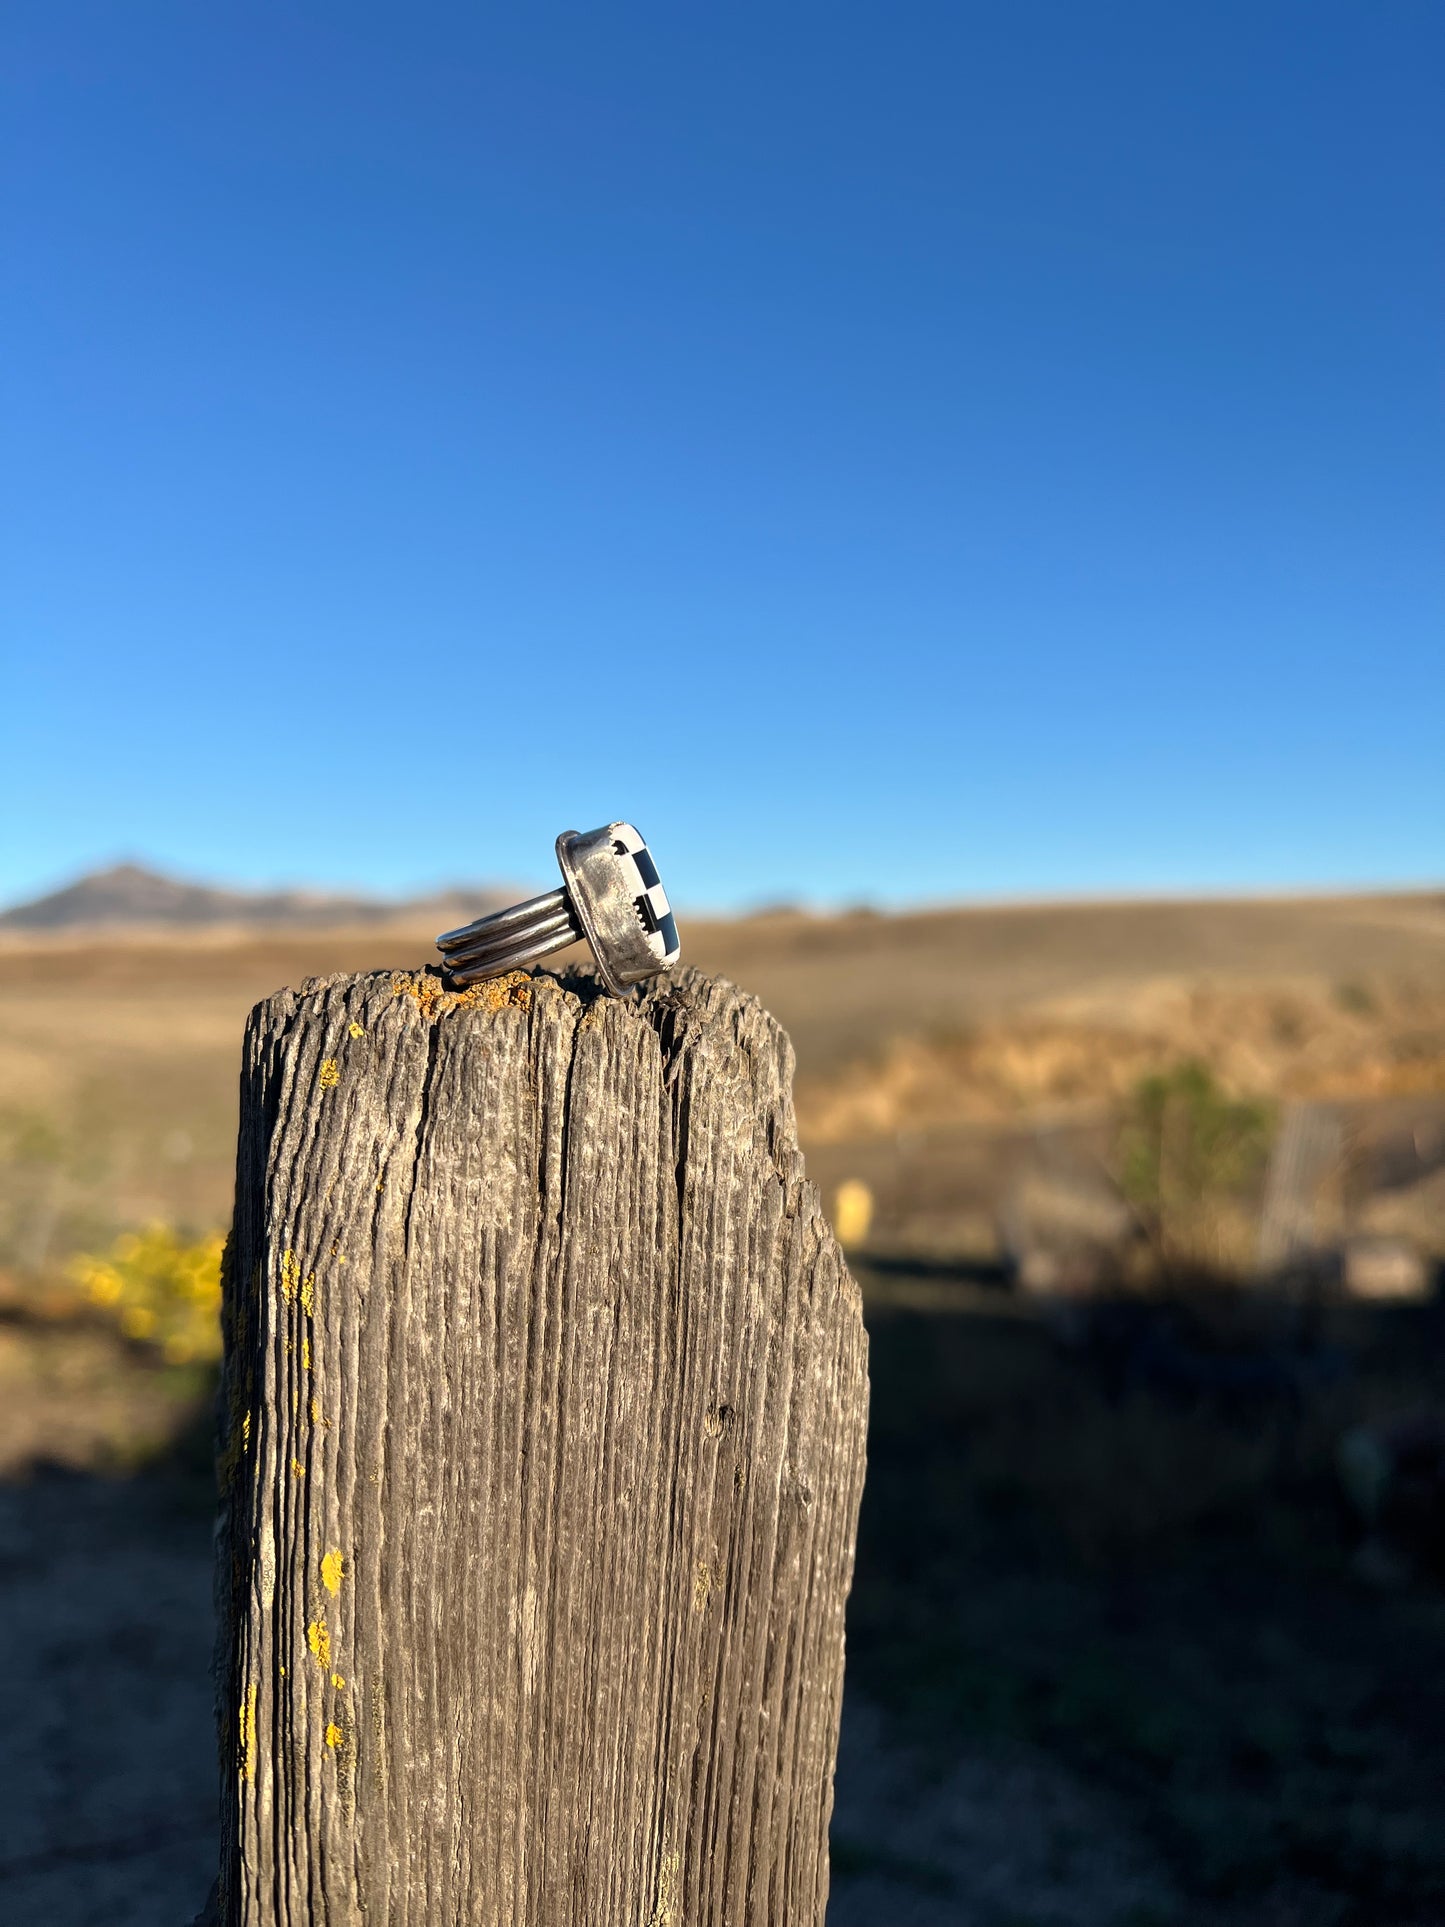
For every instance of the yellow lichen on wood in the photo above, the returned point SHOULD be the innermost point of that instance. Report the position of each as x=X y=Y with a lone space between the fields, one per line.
x=337 y=1681
x=305 y=1353
x=664 y=1912
x=294 y=1286
x=330 y=1074
x=298 y=1468
x=356 y=1030
x=248 y=1733
x=334 y=1734
x=333 y=1571
x=318 y=1638
x=702 y=1586
x=238 y=1443
x=316 y=1418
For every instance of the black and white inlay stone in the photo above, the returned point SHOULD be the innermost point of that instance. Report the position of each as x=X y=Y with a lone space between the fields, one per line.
x=644 y=886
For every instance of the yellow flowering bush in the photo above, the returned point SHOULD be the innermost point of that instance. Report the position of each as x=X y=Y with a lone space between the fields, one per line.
x=161 y=1291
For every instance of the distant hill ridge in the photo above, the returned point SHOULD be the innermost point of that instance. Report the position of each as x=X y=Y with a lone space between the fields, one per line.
x=129 y=894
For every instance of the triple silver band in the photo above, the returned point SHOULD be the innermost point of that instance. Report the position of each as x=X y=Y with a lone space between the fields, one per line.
x=510 y=938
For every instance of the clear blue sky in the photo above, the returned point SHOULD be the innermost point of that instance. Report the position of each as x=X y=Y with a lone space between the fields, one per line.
x=890 y=452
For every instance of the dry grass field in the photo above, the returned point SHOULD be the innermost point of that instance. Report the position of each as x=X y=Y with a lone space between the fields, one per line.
x=118 y=1051
x=1121 y=1652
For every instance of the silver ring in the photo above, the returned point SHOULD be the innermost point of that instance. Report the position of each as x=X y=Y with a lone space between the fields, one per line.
x=612 y=897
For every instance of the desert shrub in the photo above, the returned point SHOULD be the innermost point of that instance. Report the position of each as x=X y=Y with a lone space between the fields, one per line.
x=1357 y=998
x=1188 y=1158
x=160 y=1290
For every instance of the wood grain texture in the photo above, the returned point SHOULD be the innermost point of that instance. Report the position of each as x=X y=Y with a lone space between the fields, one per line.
x=542 y=1446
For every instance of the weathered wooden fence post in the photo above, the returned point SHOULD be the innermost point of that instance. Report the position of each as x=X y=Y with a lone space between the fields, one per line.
x=542 y=1448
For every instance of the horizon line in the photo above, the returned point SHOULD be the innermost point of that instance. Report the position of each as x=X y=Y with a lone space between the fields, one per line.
x=784 y=904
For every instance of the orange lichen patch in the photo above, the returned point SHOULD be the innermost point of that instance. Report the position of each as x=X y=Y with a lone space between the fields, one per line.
x=318 y=1638
x=425 y=992
x=433 y=1000
x=333 y=1571
x=329 y=1075
x=496 y=993
x=334 y=1735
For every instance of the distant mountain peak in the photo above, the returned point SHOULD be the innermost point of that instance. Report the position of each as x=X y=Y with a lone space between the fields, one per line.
x=131 y=894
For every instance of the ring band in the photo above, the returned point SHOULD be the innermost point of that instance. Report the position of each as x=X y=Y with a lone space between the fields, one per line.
x=612 y=897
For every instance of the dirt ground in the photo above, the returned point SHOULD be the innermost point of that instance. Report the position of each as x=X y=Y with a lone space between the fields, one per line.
x=108 y=1782
x=1112 y=1657
x=107 y=1790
